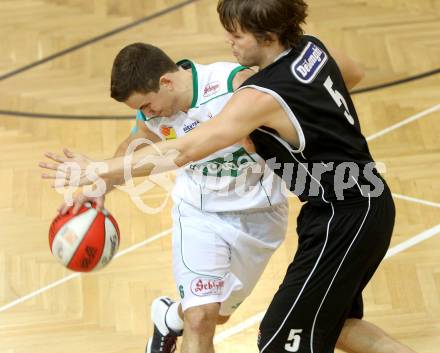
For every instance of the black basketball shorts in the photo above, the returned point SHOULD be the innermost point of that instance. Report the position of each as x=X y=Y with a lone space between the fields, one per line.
x=340 y=247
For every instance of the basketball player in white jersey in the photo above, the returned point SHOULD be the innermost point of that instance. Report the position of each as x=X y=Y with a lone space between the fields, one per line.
x=230 y=212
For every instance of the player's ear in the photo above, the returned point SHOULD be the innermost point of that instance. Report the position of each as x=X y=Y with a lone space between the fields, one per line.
x=166 y=81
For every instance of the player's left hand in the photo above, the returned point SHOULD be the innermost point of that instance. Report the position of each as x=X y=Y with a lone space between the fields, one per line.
x=72 y=169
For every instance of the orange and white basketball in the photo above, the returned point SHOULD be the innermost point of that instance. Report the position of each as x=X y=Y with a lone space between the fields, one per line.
x=86 y=241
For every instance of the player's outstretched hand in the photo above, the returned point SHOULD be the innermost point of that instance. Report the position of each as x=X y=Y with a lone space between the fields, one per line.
x=72 y=169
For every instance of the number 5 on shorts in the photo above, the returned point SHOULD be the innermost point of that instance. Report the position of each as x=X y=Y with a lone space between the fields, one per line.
x=293 y=341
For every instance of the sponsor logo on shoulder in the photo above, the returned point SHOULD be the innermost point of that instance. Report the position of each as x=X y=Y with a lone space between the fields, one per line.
x=310 y=62
x=211 y=88
x=202 y=286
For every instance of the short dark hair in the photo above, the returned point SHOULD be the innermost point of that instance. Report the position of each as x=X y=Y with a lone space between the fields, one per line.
x=262 y=17
x=138 y=68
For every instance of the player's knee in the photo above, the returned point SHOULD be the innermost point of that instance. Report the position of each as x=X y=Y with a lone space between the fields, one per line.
x=201 y=319
x=349 y=330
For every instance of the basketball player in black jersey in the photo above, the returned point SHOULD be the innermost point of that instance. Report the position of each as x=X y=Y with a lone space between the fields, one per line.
x=299 y=114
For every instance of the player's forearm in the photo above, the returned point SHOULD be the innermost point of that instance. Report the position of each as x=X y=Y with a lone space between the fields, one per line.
x=147 y=160
x=351 y=72
x=122 y=148
x=111 y=182
x=161 y=157
x=355 y=76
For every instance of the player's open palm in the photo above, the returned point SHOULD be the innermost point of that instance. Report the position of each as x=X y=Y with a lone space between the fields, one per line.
x=72 y=169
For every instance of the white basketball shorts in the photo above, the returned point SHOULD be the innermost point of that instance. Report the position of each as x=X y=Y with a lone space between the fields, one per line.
x=219 y=257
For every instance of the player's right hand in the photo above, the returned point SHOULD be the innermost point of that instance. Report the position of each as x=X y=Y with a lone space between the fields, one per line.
x=79 y=200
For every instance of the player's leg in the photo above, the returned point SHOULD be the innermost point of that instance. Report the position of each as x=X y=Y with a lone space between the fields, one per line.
x=360 y=336
x=258 y=235
x=338 y=246
x=199 y=328
x=286 y=326
x=208 y=271
x=168 y=319
x=168 y=325
x=201 y=266
x=253 y=238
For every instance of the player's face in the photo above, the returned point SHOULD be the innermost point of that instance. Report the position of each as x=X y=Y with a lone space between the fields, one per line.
x=161 y=103
x=244 y=47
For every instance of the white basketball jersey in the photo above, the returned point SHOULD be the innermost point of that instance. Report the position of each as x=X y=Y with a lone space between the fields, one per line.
x=230 y=179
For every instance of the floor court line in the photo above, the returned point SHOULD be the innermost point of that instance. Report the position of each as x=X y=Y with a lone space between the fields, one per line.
x=404 y=122
x=413 y=199
x=77 y=274
x=39 y=291
x=429 y=233
x=409 y=243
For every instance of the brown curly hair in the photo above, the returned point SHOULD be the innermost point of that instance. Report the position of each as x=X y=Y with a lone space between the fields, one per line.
x=263 y=17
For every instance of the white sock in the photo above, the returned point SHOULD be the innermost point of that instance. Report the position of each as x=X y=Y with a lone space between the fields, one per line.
x=173 y=319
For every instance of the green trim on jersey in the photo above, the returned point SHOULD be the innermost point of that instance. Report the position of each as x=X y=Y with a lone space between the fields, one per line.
x=232 y=75
x=195 y=80
x=230 y=84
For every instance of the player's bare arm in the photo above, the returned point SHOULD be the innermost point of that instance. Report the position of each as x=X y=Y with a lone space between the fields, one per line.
x=247 y=110
x=238 y=80
x=143 y=133
x=241 y=77
x=351 y=72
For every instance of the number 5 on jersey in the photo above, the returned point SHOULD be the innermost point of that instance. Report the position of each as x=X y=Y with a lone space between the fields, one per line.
x=293 y=341
x=338 y=98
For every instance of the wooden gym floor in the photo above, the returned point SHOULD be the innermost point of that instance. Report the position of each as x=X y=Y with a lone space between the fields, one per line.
x=46 y=309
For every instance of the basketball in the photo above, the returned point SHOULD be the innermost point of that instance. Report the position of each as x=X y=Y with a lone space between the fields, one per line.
x=86 y=241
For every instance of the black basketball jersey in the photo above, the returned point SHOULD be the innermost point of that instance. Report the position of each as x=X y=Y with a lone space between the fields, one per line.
x=308 y=85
